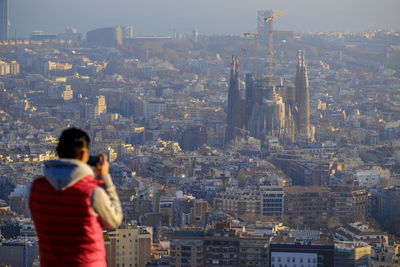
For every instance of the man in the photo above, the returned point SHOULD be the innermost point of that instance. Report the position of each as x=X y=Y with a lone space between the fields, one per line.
x=69 y=205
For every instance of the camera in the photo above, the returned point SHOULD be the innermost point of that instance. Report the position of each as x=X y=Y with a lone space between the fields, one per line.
x=93 y=160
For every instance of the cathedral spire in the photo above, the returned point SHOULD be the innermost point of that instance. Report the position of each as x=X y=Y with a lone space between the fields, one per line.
x=235 y=108
x=303 y=125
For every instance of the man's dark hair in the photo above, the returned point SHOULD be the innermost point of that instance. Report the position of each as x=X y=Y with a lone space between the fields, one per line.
x=71 y=143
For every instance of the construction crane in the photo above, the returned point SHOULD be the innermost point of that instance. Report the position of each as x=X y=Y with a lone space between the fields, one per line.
x=242 y=50
x=255 y=35
x=270 y=19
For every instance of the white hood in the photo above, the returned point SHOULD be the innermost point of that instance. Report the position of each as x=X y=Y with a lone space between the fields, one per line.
x=64 y=173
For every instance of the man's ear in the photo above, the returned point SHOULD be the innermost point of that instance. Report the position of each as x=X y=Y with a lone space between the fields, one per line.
x=84 y=155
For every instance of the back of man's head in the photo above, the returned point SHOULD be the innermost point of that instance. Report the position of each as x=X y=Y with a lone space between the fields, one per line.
x=71 y=143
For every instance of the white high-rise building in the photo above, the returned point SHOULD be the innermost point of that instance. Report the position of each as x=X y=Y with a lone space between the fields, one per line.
x=100 y=106
x=128 y=32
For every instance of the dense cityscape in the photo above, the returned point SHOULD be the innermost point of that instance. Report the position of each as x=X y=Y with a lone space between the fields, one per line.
x=273 y=148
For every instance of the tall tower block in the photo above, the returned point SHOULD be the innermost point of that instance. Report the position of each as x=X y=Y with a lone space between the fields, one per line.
x=303 y=125
x=4 y=20
x=262 y=27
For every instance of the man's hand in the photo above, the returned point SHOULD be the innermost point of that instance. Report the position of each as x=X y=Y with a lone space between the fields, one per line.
x=102 y=166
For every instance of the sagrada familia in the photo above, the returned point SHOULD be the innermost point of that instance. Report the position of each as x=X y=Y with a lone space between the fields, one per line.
x=269 y=111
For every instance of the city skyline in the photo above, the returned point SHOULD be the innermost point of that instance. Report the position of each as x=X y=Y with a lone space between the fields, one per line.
x=221 y=148
x=222 y=17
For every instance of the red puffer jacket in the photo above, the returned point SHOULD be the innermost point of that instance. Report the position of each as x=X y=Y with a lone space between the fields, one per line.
x=69 y=234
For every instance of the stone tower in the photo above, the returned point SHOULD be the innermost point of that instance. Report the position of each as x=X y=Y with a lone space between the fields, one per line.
x=235 y=111
x=303 y=126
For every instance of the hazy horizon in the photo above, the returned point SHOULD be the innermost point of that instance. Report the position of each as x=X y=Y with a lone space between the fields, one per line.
x=159 y=17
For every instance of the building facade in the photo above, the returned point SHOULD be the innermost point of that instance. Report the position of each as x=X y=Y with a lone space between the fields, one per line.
x=105 y=36
x=351 y=254
x=306 y=205
x=290 y=252
x=186 y=249
x=239 y=203
x=253 y=251
x=349 y=204
x=272 y=201
x=220 y=246
x=129 y=246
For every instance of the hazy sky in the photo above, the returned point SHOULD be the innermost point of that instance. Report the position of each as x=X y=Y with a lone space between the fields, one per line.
x=210 y=16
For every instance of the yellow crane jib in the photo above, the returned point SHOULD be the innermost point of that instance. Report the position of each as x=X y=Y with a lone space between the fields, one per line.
x=274 y=16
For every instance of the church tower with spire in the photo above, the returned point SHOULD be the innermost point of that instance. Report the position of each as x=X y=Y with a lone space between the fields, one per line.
x=302 y=102
x=235 y=111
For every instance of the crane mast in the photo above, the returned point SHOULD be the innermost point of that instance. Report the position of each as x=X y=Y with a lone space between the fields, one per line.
x=270 y=19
